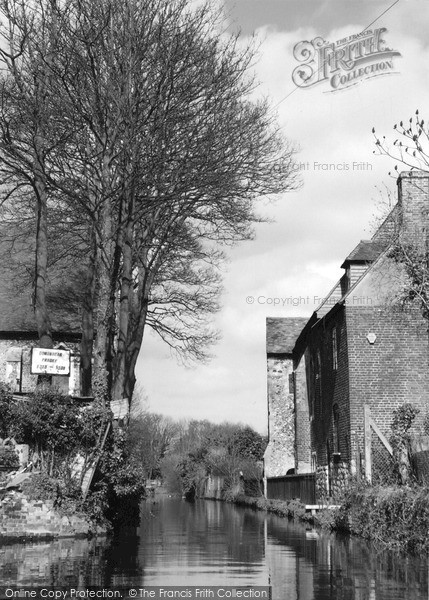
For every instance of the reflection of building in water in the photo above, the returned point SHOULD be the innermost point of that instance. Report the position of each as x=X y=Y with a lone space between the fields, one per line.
x=60 y=562
x=102 y=562
x=317 y=565
x=291 y=560
x=213 y=543
x=215 y=532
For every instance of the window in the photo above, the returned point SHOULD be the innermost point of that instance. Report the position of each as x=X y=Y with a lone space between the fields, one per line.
x=334 y=349
x=319 y=366
x=336 y=427
x=311 y=380
x=291 y=383
x=14 y=368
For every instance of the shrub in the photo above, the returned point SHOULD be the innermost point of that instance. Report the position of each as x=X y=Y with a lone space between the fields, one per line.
x=403 y=418
x=5 y=410
x=50 y=423
x=330 y=518
x=395 y=516
x=292 y=509
x=125 y=478
x=40 y=486
x=96 y=504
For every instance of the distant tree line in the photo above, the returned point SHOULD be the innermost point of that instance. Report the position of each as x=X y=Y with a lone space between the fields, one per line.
x=200 y=449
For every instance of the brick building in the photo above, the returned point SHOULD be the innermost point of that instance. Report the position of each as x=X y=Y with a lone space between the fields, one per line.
x=358 y=348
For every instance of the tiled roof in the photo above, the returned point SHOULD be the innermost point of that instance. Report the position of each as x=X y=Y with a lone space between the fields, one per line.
x=365 y=251
x=282 y=333
x=16 y=310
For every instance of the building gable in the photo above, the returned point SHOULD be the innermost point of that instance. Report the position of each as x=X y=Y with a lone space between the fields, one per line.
x=282 y=333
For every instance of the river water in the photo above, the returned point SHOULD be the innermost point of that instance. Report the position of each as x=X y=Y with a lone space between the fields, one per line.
x=211 y=543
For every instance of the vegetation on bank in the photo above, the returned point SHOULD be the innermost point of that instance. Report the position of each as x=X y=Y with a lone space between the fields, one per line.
x=394 y=513
x=64 y=442
x=395 y=516
x=291 y=509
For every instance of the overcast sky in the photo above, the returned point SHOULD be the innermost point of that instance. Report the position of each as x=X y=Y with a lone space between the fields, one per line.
x=297 y=259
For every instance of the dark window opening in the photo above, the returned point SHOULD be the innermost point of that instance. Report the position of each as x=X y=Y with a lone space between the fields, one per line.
x=334 y=349
x=336 y=429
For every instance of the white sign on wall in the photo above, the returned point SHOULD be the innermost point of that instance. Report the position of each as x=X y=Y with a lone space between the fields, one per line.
x=50 y=361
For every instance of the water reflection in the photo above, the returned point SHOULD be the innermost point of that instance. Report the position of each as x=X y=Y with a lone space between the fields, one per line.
x=204 y=541
x=324 y=566
x=212 y=543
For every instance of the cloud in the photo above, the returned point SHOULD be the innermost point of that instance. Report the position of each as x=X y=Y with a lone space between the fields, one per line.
x=300 y=254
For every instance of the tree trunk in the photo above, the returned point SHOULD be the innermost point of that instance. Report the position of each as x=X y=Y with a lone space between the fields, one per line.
x=133 y=349
x=103 y=297
x=101 y=366
x=41 y=312
x=87 y=342
x=119 y=363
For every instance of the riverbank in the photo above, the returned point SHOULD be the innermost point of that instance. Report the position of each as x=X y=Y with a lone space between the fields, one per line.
x=215 y=544
x=396 y=517
x=293 y=509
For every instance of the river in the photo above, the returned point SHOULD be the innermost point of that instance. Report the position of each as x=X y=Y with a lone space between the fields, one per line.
x=211 y=543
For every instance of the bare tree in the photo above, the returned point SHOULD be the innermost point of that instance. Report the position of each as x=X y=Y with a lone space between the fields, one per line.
x=159 y=147
x=410 y=249
x=149 y=438
x=200 y=448
x=410 y=146
x=26 y=130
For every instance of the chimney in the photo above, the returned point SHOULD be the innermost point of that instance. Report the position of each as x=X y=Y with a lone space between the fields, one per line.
x=413 y=202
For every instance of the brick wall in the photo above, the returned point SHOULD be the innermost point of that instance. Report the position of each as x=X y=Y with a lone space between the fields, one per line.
x=280 y=453
x=384 y=375
x=23 y=518
x=329 y=386
x=389 y=372
x=413 y=195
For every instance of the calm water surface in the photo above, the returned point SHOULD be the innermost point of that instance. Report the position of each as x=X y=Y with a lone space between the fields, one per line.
x=212 y=543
